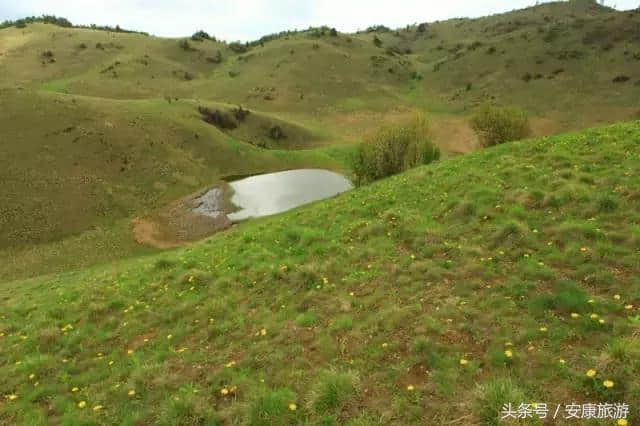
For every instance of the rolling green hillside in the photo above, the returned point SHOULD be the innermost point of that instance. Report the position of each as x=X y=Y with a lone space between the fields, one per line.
x=100 y=127
x=433 y=297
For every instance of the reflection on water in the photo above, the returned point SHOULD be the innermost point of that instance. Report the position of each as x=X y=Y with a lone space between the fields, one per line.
x=273 y=193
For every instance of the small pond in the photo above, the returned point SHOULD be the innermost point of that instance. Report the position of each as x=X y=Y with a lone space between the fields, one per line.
x=272 y=193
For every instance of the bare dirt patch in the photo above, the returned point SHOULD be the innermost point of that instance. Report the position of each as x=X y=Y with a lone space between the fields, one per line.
x=183 y=221
x=454 y=135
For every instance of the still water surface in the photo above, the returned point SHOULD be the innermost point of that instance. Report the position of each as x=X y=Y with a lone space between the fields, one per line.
x=272 y=193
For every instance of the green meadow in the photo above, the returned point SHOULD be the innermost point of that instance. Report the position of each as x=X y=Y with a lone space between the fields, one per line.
x=508 y=274
x=430 y=297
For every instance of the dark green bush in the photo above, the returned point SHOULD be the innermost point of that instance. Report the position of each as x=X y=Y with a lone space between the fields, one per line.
x=394 y=149
x=238 y=47
x=201 y=35
x=495 y=125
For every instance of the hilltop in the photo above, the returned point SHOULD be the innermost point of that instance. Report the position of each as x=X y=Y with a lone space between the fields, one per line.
x=431 y=297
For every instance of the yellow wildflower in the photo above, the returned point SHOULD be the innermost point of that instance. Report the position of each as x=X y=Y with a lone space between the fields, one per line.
x=608 y=384
x=594 y=316
x=464 y=362
x=12 y=397
x=622 y=422
x=224 y=391
x=82 y=404
x=508 y=353
x=575 y=315
x=543 y=329
x=410 y=388
x=628 y=307
x=74 y=389
x=616 y=296
x=293 y=407
x=98 y=408
x=131 y=392
x=591 y=373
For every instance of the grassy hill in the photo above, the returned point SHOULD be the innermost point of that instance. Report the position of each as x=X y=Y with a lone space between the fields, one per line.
x=432 y=297
x=99 y=127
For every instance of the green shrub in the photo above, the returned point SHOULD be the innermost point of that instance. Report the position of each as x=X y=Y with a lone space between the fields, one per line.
x=495 y=125
x=394 y=149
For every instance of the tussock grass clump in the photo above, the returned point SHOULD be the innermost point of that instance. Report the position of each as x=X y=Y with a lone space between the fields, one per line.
x=607 y=204
x=509 y=235
x=496 y=125
x=164 y=264
x=567 y=297
x=394 y=149
x=332 y=390
x=491 y=397
x=272 y=407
